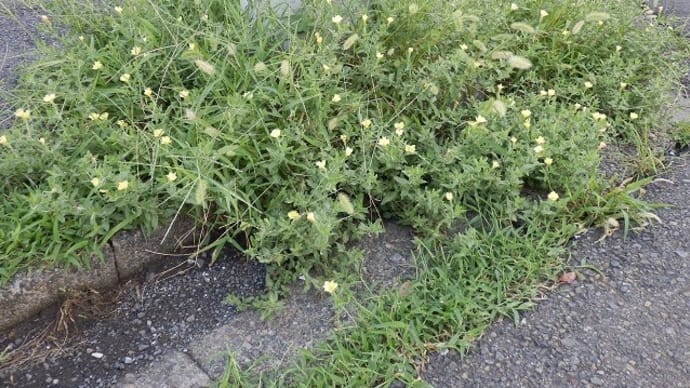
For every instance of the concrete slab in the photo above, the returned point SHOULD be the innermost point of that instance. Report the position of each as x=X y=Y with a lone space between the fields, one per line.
x=176 y=370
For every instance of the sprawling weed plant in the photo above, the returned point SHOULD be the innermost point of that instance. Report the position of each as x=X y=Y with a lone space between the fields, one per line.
x=298 y=130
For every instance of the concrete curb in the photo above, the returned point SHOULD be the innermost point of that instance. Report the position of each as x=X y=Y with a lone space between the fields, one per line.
x=35 y=289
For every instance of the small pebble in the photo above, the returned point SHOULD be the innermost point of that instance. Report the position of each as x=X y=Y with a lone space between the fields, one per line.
x=97 y=355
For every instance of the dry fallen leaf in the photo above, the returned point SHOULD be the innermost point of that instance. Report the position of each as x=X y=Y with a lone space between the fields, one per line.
x=568 y=277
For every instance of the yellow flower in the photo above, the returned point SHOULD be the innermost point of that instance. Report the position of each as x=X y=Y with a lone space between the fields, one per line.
x=330 y=286
x=538 y=149
x=171 y=176
x=588 y=85
x=366 y=123
x=118 y=10
x=165 y=140
x=49 y=98
x=95 y=182
x=4 y=141
x=348 y=151
x=23 y=114
x=321 y=164
x=103 y=116
x=543 y=14
x=158 y=132
x=495 y=164
x=526 y=113
x=448 y=196
x=93 y=116
x=553 y=196
x=122 y=185
x=410 y=50
x=399 y=125
x=577 y=106
x=97 y=65
x=311 y=217
x=275 y=133
x=365 y=17
x=548 y=161
x=618 y=48
x=542 y=92
x=598 y=116
x=551 y=92
x=389 y=20
x=540 y=140
x=81 y=38
x=602 y=145
x=527 y=123
x=464 y=47
x=623 y=85
x=337 y=19
x=514 y=7
x=293 y=215
x=478 y=120
x=125 y=78
x=634 y=116
x=336 y=98
x=384 y=142
x=45 y=19
x=319 y=38
x=513 y=139
x=121 y=123
x=136 y=50
x=399 y=132
x=42 y=140
x=184 y=93
x=148 y=92
x=379 y=55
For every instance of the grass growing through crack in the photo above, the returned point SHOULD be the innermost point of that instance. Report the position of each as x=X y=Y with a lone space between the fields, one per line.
x=296 y=133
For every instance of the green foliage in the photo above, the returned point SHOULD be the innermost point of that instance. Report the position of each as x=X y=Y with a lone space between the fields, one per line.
x=297 y=132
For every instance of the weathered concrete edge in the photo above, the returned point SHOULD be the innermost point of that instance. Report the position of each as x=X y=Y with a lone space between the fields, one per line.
x=33 y=290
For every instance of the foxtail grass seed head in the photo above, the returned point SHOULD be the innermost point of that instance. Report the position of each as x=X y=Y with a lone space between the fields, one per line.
x=205 y=67
x=518 y=62
x=285 y=68
x=330 y=286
